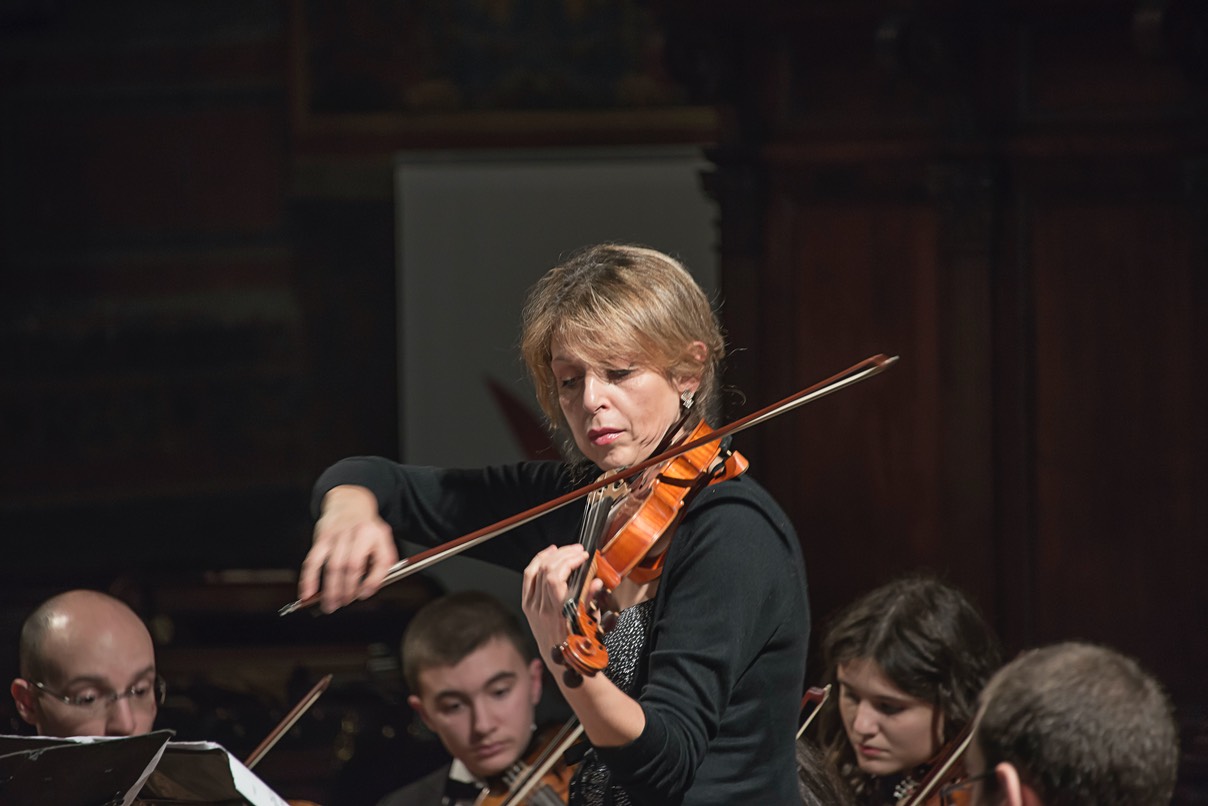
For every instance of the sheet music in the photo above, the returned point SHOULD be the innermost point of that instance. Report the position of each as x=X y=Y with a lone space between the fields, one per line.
x=144 y=770
x=82 y=771
x=204 y=772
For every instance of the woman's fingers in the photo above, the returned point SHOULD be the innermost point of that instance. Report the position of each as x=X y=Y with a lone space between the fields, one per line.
x=312 y=569
x=348 y=561
x=546 y=577
x=546 y=591
x=383 y=553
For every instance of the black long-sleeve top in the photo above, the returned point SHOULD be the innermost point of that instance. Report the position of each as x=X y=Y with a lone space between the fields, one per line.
x=722 y=679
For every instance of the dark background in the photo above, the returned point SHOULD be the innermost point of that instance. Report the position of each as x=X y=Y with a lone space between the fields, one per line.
x=197 y=282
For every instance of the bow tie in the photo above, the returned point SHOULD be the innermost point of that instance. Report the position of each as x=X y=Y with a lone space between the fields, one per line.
x=458 y=792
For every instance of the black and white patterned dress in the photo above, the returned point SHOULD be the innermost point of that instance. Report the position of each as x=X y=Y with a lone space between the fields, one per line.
x=626 y=646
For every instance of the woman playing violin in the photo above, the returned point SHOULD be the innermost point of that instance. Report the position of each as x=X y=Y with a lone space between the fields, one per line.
x=909 y=659
x=699 y=699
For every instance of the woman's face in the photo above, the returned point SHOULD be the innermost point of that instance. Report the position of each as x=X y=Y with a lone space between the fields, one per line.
x=889 y=730
x=617 y=412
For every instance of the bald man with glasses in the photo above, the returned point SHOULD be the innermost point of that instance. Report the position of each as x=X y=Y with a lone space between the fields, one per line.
x=87 y=668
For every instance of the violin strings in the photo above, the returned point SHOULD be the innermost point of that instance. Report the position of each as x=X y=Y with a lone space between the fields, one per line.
x=596 y=516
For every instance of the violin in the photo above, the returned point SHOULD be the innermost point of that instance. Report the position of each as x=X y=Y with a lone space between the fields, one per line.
x=540 y=780
x=411 y=565
x=638 y=517
x=947 y=767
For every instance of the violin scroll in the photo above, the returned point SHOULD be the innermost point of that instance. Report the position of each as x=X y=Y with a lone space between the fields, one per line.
x=583 y=651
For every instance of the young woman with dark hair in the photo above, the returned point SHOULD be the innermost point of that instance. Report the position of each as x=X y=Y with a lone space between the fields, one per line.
x=908 y=660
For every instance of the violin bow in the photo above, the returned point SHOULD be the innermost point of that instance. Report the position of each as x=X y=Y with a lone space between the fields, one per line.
x=283 y=727
x=860 y=371
x=818 y=696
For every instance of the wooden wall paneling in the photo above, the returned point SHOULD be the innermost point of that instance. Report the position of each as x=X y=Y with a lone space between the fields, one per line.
x=156 y=370
x=1120 y=463
x=1102 y=477
x=1014 y=436
x=1093 y=104
x=877 y=480
x=1053 y=256
x=882 y=226
x=738 y=185
x=968 y=194
x=346 y=284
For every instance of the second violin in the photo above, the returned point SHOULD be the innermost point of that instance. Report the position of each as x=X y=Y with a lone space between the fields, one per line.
x=542 y=779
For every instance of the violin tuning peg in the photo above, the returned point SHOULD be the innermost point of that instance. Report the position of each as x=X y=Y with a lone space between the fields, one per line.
x=572 y=679
x=608 y=620
x=555 y=654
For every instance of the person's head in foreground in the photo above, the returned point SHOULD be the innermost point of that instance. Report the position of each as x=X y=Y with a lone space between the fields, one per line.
x=1071 y=724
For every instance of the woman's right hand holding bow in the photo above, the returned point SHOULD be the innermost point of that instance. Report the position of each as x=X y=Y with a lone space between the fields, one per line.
x=353 y=549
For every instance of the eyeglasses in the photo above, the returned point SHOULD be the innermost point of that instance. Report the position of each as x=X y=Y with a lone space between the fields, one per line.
x=961 y=793
x=141 y=695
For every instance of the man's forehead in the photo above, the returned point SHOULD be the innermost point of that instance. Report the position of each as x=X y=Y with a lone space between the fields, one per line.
x=72 y=671
x=441 y=689
x=116 y=659
x=495 y=660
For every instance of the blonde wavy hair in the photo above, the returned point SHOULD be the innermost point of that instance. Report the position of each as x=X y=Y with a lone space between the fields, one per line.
x=615 y=300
